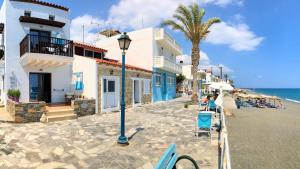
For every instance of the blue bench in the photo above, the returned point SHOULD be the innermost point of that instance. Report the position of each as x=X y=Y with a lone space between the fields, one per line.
x=170 y=158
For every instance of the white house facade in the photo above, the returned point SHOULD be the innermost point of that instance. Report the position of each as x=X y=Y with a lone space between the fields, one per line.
x=38 y=54
x=152 y=49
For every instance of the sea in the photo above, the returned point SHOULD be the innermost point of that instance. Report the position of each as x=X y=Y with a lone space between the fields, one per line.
x=291 y=94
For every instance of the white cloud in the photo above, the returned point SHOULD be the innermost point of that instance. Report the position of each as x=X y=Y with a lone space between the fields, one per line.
x=134 y=14
x=239 y=37
x=259 y=77
x=137 y=14
x=224 y=3
x=90 y=30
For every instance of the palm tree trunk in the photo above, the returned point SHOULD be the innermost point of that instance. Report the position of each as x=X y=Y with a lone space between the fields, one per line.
x=195 y=64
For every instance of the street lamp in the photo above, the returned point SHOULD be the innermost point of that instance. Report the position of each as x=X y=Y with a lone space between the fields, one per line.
x=124 y=42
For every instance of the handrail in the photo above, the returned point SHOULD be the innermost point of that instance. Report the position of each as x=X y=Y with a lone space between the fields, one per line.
x=46 y=45
x=225 y=162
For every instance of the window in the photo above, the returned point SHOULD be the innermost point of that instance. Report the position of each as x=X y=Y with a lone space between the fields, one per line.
x=158 y=80
x=170 y=80
x=51 y=17
x=104 y=85
x=98 y=55
x=79 y=51
x=27 y=13
x=147 y=87
x=89 y=53
x=161 y=51
x=111 y=86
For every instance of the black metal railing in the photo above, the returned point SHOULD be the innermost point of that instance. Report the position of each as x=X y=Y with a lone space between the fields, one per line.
x=46 y=45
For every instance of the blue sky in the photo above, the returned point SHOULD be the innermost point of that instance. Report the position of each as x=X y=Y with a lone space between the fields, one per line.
x=258 y=40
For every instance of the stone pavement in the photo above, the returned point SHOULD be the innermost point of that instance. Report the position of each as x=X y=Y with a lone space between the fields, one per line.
x=90 y=142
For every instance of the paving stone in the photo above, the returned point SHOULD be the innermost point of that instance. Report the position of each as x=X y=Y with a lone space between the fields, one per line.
x=91 y=141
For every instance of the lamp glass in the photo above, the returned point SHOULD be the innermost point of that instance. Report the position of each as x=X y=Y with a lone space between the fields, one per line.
x=124 y=41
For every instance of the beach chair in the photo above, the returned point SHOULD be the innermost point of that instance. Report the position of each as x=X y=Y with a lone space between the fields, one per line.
x=204 y=123
x=170 y=158
x=212 y=105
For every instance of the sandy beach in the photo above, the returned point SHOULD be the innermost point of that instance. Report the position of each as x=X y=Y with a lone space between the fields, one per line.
x=265 y=138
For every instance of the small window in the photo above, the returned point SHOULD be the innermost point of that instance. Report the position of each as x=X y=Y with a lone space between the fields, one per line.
x=157 y=80
x=51 y=17
x=104 y=85
x=79 y=51
x=27 y=13
x=147 y=87
x=89 y=53
x=170 y=80
x=111 y=86
x=98 y=55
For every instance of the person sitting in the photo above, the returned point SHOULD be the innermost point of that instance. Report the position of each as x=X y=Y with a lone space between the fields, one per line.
x=204 y=100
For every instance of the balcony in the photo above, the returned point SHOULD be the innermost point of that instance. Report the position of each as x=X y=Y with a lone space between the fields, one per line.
x=167 y=64
x=167 y=41
x=45 y=51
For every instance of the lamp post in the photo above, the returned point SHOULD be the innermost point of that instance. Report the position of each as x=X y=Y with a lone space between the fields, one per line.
x=124 y=42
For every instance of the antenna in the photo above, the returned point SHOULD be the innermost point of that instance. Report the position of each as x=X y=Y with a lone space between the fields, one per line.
x=83 y=33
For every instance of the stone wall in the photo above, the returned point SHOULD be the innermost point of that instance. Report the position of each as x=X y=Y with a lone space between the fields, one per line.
x=105 y=70
x=84 y=107
x=26 y=112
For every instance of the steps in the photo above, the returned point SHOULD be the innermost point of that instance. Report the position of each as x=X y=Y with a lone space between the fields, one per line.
x=58 y=115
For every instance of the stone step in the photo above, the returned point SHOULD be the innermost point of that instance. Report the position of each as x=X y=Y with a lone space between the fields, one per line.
x=61 y=117
x=58 y=115
x=60 y=112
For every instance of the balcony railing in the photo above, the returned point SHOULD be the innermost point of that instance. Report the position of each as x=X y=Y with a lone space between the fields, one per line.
x=46 y=45
x=161 y=33
x=167 y=63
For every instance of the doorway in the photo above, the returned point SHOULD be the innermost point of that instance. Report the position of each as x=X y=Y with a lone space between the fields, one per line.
x=110 y=97
x=137 y=97
x=40 y=87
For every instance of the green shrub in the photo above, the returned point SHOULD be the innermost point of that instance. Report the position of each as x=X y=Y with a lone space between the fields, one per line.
x=17 y=93
x=14 y=93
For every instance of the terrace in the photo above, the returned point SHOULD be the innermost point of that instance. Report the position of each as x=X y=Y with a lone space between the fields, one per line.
x=91 y=141
x=45 y=51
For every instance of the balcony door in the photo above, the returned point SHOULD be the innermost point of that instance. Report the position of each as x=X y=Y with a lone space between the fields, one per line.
x=40 y=87
x=39 y=40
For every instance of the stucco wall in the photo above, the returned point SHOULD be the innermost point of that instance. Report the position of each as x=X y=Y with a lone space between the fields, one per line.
x=61 y=79
x=104 y=70
x=164 y=91
x=16 y=31
x=88 y=67
x=140 y=52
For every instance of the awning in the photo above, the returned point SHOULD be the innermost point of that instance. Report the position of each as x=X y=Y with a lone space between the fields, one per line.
x=28 y=19
x=221 y=85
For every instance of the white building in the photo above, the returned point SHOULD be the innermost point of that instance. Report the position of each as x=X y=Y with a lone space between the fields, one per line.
x=38 y=54
x=152 y=49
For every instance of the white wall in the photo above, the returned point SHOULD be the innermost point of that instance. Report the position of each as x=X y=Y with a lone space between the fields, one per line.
x=61 y=82
x=187 y=71
x=140 y=51
x=88 y=67
x=16 y=31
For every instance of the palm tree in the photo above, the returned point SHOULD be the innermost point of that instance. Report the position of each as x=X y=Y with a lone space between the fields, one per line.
x=189 y=20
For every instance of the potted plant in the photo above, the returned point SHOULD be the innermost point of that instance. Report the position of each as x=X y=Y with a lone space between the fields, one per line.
x=17 y=95
x=14 y=95
x=10 y=94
